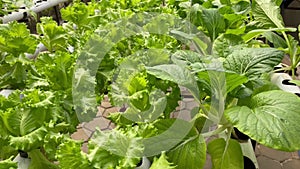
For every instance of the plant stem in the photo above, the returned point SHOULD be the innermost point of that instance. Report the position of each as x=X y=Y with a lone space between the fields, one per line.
x=291 y=54
x=215 y=132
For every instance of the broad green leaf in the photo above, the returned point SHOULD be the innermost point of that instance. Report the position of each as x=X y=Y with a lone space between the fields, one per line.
x=115 y=149
x=225 y=154
x=161 y=163
x=274 y=38
x=70 y=156
x=177 y=75
x=30 y=141
x=213 y=21
x=170 y=132
x=214 y=79
x=38 y=160
x=225 y=43
x=156 y=57
x=191 y=153
x=241 y=7
x=186 y=57
x=23 y=121
x=270 y=118
x=235 y=21
x=200 y=42
x=252 y=62
x=163 y=125
x=267 y=12
x=257 y=32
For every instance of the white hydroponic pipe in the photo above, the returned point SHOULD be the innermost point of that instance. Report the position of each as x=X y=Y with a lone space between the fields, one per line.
x=23 y=163
x=19 y=15
x=40 y=48
x=145 y=164
x=6 y=92
x=279 y=78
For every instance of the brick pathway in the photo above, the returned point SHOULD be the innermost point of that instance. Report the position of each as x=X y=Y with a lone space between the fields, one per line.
x=267 y=158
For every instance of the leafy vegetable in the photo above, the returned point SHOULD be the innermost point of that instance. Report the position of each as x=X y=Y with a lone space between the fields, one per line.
x=161 y=163
x=225 y=154
x=252 y=62
x=273 y=108
x=190 y=153
x=267 y=13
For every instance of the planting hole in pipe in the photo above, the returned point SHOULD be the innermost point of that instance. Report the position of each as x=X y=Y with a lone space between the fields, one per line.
x=248 y=163
x=276 y=68
x=24 y=15
x=239 y=135
x=287 y=82
x=23 y=154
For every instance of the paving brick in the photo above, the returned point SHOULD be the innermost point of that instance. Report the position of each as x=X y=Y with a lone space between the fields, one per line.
x=181 y=106
x=100 y=112
x=257 y=150
x=88 y=132
x=106 y=104
x=295 y=155
x=267 y=163
x=292 y=164
x=110 y=110
x=79 y=126
x=208 y=164
x=111 y=125
x=174 y=114
x=274 y=154
x=100 y=122
x=191 y=104
x=80 y=134
x=106 y=98
x=84 y=147
x=184 y=115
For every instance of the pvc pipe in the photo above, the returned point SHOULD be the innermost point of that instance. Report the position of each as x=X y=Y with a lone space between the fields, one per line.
x=145 y=164
x=6 y=92
x=23 y=163
x=278 y=78
x=20 y=15
x=40 y=48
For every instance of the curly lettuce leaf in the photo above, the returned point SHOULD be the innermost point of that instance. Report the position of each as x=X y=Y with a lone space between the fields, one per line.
x=8 y=164
x=70 y=156
x=112 y=149
x=16 y=39
x=162 y=162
